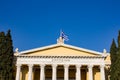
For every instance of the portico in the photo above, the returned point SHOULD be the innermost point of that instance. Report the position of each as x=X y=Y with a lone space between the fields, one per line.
x=66 y=62
x=60 y=62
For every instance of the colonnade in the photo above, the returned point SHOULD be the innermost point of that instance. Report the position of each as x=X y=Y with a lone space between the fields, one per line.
x=66 y=71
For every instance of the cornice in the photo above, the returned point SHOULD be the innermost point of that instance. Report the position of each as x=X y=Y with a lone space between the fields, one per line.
x=23 y=56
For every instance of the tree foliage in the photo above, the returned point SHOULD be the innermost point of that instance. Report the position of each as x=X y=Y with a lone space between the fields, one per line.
x=115 y=59
x=6 y=56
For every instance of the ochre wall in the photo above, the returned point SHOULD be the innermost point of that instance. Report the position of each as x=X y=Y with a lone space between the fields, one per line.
x=24 y=73
x=96 y=73
x=108 y=60
x=60 y=51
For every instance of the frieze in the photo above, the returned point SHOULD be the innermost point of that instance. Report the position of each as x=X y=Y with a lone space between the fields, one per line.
x=60 y=60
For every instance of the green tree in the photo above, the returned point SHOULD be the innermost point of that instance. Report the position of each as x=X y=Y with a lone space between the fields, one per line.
x=118 y=40
x=117 y=63
x=113 y=56
x=7 y=57
x=115 y=60
x=113 y=51
x=2 y=51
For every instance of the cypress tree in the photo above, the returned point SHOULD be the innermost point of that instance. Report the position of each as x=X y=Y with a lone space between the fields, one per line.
x=118 y=59
x=113 y=56
x=10 y=56
x=6 y=56
x=118 y=40
x=2 y=51
x=113 y=51
x=115 y=60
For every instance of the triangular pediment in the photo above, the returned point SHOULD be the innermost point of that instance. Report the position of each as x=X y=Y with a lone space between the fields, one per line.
x=60 y=50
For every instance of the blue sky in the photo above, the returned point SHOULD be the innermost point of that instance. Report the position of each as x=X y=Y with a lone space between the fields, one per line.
x=90 y=24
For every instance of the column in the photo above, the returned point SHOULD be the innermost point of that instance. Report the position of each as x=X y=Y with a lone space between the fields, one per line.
x=30 y=71
x=42 y=72
x=90 y=72
x=54 y=77
x=78 y=72
x=102 y=72
x=18 y=71
x=66 y=69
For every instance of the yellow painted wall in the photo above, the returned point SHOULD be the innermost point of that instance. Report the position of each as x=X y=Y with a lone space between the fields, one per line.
x=107 y=60
x=24 y=73
x=60 y=51
x=96 y=73
x=87 y=75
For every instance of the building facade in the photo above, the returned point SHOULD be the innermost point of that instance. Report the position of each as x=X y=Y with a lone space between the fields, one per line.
x=62 y=62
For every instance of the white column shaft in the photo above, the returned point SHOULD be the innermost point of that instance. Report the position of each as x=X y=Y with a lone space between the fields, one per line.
x=90 y=72
x=30 y=72
x=102 y=72
x=54 y=72
x=42 y=73
x=66 y=77
x=78 y=72
x=18 y=72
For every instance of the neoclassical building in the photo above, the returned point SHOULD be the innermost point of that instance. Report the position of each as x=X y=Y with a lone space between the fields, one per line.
x=61 y=61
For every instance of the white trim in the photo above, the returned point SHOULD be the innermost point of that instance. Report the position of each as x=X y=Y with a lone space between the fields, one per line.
x=64 y=60
x=57 y=45
x=82 y=49
x=38 y=49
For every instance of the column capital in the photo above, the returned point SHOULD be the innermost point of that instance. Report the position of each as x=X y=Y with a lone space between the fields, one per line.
x=30 y=65
x=18 y=65
x=102 y=65
x=42 y=65
x=90 y=66
x=78 y=66
x=54 y=65
x=66 y=65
